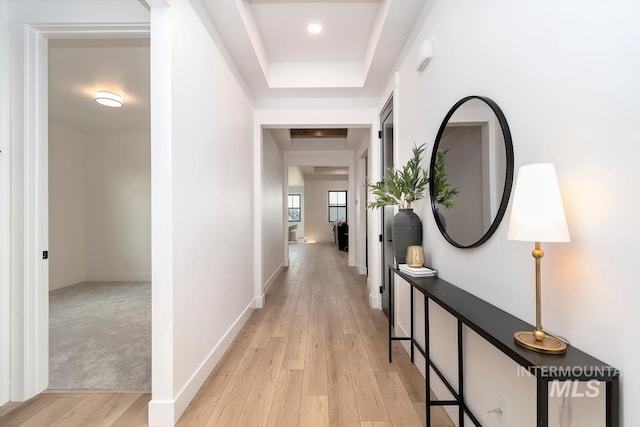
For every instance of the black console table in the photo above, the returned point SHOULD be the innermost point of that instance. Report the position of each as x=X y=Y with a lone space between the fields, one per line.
x=497 y=327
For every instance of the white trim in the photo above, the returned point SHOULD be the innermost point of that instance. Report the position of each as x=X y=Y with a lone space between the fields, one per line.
x=79 y=278
x=375 y=300
x=66 y=281
x=5 y=212
x=29 y=204
x=162 y=411
x=132 y=277
x=273 y=278
x=162 y=327
x=258 y=293
x=29 y=226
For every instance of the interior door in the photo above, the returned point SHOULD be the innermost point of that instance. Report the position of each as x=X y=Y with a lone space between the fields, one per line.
x=386 y=125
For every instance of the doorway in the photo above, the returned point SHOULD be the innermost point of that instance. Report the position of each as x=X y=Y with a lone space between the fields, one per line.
x=99 y=215
x=386 y=154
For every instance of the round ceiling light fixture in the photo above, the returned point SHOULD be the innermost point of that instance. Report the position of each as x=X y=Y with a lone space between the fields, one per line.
x=109 y=99
x=314 y=28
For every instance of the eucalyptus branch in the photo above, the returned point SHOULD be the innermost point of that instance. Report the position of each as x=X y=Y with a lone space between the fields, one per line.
x=401 y=187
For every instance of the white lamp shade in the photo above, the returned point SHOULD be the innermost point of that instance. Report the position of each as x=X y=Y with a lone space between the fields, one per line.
x=537 y=214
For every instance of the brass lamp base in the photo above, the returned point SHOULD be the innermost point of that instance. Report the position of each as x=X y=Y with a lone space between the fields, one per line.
x=549 y=344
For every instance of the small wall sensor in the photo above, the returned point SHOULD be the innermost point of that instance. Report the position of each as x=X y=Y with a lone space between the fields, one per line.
x=425 y=53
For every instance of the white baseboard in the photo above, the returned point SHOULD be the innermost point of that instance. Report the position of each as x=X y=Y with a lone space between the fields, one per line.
x=362 y=270
x=167 y=413
x=134 y=277
x=402 y=332
x=66 y=281
x=272 y=279
x=375 y=301
x=258 y=302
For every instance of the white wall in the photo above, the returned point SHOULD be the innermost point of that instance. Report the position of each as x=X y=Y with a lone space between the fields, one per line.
x=100 y=206
x=565 y=75
x=202 y=147
x=300 y=229
x=67 y=229
x=316 y=205
x=5 y=214
x=118 y=206
x=273 y=201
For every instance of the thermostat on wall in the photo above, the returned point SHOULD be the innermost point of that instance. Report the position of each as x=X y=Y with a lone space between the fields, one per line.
x=425 y=52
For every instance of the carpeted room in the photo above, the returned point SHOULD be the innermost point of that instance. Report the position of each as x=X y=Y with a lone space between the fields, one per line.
x=99 y=217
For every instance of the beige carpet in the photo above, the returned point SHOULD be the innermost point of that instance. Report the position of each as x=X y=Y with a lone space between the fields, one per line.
x=100 y=336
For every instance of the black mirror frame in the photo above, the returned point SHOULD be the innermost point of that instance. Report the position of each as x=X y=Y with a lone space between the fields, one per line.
x=508 y=175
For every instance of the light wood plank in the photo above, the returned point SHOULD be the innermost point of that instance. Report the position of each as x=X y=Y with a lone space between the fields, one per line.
x=111 y=410
x=349 y=324
x=136 y=414
x=315 y=366
x=52 y=412
x=83 y=412
x=343 y=409
x=287 y=316
x=397 y=401
x=265 y=330
x=369 y=400
x=198 y=411
x=27 y=410
x=286 y=402
x=314 y=411
x=8 y=407
x=376 y=424
x=258 y=403
x=229 y=407
x=333 y=328
x=296 y=352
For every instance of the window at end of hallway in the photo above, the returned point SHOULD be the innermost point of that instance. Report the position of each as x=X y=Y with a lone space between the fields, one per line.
x=337 y=206
x=294 y=208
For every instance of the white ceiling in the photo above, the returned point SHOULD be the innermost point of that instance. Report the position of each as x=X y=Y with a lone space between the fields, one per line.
x=353 y=55
x=79 y=68
x=270 y=47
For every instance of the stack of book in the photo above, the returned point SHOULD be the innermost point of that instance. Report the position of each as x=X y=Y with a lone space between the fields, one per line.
x=417 y=271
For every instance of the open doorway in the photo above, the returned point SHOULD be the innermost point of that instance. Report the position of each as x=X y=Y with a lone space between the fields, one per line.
x=99 y=215
x=321 y=194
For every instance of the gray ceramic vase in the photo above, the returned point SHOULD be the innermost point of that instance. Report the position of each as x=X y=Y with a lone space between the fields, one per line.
x=407 y=231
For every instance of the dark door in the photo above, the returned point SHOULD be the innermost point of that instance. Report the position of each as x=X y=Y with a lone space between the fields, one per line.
x=386 y=124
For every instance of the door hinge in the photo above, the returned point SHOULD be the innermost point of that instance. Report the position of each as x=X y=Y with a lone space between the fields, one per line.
x=379 y=134
x=381 y=289
x=45 y=254
x=380 y=237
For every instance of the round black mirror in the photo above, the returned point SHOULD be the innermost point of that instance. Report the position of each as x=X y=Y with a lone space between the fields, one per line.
x=471 y=172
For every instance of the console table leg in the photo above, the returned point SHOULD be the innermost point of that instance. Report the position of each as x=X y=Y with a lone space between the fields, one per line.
x=460 y=377
x=543 y=402
x=391 y=278
x=613 y=403
x=411 y=327
x=427 y=360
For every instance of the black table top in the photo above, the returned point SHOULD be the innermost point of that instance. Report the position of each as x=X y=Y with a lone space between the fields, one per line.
x=497 y=326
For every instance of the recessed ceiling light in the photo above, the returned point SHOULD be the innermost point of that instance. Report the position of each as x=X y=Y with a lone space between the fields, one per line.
x=314 y=28
x=109 y=99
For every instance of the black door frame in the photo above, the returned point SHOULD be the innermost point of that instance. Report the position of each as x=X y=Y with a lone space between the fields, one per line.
x=386 y=162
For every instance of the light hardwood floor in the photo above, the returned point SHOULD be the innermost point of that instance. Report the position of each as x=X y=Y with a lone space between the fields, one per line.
x=315 y=355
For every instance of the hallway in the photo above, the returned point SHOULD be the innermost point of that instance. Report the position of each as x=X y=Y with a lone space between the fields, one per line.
x=315 y=355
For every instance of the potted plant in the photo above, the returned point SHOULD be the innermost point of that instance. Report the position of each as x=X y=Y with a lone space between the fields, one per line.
x=401 y=188
x=444 y=194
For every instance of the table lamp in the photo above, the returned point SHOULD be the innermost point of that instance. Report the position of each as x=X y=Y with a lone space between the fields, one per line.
x=537 y=216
